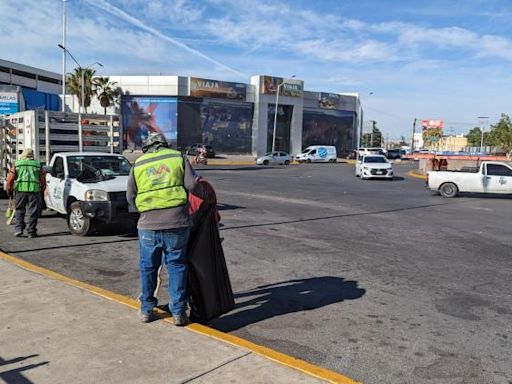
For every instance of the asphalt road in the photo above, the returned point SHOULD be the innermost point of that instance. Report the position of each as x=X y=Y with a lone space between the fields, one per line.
x=380 y=280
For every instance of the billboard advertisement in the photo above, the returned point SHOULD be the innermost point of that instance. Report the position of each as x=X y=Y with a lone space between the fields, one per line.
x=432 y=130
x=143 y=115
x=328 y=100
x=429 y=124
x=289 y=87
x=217 y=89
x=8 y=103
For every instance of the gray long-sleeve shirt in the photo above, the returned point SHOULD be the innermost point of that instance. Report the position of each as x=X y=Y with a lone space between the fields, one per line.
x=167 y=218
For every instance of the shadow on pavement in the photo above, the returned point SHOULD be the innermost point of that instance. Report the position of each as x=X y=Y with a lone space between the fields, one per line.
x=88 y=244
x=235 y=168
x=291 y=296
x=15 y=375
x=335 y=216
x=228 y=207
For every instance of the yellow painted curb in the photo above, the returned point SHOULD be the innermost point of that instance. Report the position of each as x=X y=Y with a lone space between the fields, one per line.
x=281 y=358
x=416 y=175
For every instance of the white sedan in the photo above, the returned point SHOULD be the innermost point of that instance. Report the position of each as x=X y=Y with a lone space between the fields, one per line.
x=274 y=158
x=374 y=166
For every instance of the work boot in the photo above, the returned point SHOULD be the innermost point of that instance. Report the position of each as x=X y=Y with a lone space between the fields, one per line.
x=146 y=317
x=180 y=320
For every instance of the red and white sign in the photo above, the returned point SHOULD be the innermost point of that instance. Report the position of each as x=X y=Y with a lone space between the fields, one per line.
x=429 y=124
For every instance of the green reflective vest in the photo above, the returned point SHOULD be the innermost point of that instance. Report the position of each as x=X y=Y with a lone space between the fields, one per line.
x=27 y=176
x=159 y=177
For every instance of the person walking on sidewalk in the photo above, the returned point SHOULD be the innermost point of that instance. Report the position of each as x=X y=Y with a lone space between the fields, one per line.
x=158 y=188
x=28 y=181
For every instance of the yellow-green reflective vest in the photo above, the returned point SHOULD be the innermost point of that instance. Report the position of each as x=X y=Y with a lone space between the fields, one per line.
x=27 y=176
x=159 y=177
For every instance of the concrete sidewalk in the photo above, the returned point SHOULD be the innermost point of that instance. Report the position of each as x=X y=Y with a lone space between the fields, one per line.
x=56 y=330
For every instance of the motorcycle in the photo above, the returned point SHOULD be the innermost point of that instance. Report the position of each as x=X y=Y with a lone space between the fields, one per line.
x=201 y=159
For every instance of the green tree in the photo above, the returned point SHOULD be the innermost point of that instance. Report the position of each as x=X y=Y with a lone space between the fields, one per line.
x=373 y=139
x=474 y=137
x=501 y=134
x=74 y=83
x=106 y=91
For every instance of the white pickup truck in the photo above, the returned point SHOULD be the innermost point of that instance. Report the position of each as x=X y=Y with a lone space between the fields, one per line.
x=490 y=177
x=88 y=187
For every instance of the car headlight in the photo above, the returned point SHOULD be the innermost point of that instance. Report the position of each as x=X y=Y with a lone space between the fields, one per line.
x=96 y=195
x=366 y=168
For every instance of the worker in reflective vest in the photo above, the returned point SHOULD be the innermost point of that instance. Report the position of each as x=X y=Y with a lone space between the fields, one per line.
x=28 y=181
x=158 y=188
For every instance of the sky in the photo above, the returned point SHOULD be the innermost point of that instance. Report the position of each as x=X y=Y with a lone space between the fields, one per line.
x=448 y=60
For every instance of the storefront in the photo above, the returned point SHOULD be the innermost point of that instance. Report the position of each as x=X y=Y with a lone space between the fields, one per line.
x=237 y=117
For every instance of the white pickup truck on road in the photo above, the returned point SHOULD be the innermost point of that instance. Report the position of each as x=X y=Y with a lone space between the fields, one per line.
x=88 y=187
x=490 y=177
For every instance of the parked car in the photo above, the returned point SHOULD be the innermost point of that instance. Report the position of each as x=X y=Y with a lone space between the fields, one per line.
x=194 y=148
x=281 y=158
x=374 y=166
x=394 y=154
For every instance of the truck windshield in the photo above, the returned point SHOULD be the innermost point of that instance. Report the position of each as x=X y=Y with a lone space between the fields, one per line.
x=108 y=166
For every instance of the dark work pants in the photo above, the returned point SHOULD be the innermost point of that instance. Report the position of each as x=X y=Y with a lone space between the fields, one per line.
x=28 y=203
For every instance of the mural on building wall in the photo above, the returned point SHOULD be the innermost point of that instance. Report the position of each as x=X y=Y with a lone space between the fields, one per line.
x=329 y=127
x=217 y=89
x=145 y=114
x=290 y=87
x=328 y=100
x=225 y=126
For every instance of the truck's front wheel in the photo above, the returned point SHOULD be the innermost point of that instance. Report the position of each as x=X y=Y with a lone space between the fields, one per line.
x=78 y=223
x=448 y=190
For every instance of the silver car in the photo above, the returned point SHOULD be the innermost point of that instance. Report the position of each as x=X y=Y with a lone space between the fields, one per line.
x=274 y=158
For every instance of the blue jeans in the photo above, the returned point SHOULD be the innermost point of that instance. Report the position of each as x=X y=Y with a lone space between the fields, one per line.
x=168 y=247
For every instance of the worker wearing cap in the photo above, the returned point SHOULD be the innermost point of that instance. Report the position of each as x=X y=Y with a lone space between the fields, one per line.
x=158 y=188
x=28 y=181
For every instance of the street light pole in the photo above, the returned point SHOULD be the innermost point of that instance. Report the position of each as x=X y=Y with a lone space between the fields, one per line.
x=82 y=80
x=63 y=56
x=483 y=120
x=275 y=114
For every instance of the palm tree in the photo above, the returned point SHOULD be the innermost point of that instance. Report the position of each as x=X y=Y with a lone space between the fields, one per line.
x=74 y=83
x=106 y=91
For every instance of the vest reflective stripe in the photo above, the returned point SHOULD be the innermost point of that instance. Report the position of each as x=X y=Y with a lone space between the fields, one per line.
x=27 y=176
x=159 y=177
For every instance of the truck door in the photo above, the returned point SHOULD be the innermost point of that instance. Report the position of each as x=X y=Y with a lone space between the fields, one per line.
x=498 y=178
x=56 y=186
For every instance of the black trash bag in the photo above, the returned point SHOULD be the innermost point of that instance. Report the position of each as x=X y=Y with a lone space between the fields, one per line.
x=209 y=287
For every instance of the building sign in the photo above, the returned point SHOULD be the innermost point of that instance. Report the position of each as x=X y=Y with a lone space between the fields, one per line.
x=429 y=124
x=289 y=87
x=217 y=89
x=328 y=100
x=8 y=103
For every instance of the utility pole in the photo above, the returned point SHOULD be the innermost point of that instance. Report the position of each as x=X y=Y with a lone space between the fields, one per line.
x=413 y=133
